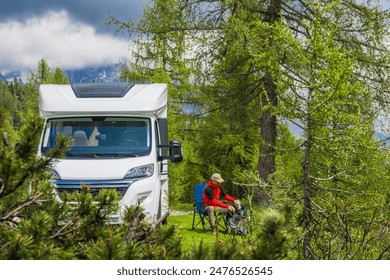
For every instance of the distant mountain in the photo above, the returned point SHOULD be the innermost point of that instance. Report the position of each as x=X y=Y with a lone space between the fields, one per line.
x=383 y=136
x=109 y=73
x=9 y=76
x=99 y=74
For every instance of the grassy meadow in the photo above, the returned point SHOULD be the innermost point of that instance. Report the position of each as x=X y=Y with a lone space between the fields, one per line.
x=182 y=218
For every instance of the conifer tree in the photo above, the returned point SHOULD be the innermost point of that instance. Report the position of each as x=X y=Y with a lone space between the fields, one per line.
x=34 y=224
x=322 y=65
x=57 y=77
x=43 y=72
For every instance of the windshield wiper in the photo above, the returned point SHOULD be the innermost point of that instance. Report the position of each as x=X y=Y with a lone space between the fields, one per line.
x=100 y=155
x=71 y=154
x=120 y=155
x=78 y=155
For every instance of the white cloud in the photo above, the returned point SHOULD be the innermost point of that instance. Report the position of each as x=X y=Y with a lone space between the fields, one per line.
x=59 y=40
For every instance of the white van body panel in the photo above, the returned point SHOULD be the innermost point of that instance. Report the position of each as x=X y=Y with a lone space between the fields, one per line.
x=61 y=108
x=102 y=169
x=140 y=100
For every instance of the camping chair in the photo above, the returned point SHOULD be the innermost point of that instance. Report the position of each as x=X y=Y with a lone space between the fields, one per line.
x=199 y=210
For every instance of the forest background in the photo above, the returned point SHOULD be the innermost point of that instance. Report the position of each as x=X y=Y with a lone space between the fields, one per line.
x=240 y=73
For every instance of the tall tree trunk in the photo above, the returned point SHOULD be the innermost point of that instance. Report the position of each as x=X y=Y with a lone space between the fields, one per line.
x=307 y=209
x=266 y=164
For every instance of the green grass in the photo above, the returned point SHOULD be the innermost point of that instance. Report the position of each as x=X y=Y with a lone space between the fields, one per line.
x=270 y=237
x=192 y=238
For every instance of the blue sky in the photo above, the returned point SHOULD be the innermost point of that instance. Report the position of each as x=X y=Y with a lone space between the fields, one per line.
x=90 y=12
x=69 y=34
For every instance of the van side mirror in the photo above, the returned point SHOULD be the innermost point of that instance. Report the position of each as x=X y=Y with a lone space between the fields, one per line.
x=175 y=151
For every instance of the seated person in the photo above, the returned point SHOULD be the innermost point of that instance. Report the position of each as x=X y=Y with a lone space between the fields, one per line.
x=212 y=193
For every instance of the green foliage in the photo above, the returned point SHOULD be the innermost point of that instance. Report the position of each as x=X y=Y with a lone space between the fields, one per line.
x=57 y=77
x=35 y=225
x=11 y=95
x=229 y=65
x=271 y=241
x=135 y=240
x=45 y=75
x=109 y=246
x=341 y=156
x=320 y=65
x=273 y=234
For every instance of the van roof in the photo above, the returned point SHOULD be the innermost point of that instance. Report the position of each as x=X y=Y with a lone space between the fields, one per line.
x=92 y=90
x=102 y=99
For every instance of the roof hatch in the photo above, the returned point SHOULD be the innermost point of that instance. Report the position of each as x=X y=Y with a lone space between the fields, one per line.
x=101 y=90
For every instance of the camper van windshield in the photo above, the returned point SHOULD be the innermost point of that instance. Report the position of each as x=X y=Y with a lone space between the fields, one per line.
x=100 y=136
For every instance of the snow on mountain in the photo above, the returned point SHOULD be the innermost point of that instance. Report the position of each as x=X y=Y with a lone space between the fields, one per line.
x=102 y=74
x=9 y=76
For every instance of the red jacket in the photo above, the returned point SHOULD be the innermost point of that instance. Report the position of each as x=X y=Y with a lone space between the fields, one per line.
x=211 y=196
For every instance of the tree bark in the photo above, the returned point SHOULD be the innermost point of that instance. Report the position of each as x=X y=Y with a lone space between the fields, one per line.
x=266 y=164
x=307 y=208
x=268 y=122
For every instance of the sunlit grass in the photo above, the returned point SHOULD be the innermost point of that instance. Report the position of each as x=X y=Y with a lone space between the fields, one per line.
x=191 y=239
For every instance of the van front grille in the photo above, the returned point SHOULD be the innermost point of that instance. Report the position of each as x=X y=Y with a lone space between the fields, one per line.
x=94 y=187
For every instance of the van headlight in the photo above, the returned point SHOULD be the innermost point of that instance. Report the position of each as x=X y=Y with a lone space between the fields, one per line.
x=140 y=172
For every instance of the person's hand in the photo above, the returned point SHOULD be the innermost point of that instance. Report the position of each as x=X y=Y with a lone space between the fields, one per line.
x=232 y=209
x=237 y=204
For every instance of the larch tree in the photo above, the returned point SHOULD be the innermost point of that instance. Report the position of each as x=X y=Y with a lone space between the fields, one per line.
x=241 y=64
x=325 y=88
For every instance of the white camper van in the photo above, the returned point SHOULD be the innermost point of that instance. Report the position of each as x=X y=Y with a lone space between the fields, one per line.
x=119 y=133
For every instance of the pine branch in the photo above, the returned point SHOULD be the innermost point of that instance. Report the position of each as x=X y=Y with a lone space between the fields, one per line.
x=13 y=213
x=62 y=231
x=138 y=235
x=132 y=233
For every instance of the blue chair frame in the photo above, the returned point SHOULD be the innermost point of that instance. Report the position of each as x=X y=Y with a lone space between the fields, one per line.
x=199 y=208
